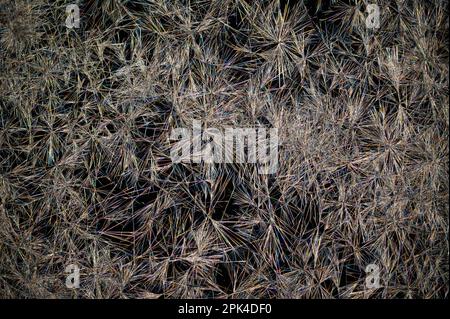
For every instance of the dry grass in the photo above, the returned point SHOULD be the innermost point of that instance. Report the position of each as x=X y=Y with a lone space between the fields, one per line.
x=86 y=178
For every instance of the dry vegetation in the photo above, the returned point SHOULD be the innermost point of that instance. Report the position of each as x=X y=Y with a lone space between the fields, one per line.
x=86 y=178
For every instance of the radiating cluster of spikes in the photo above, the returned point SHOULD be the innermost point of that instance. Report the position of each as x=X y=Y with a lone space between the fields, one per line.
x=86 y=176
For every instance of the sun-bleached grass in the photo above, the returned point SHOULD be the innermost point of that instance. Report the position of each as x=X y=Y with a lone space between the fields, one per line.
x=86 y=177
